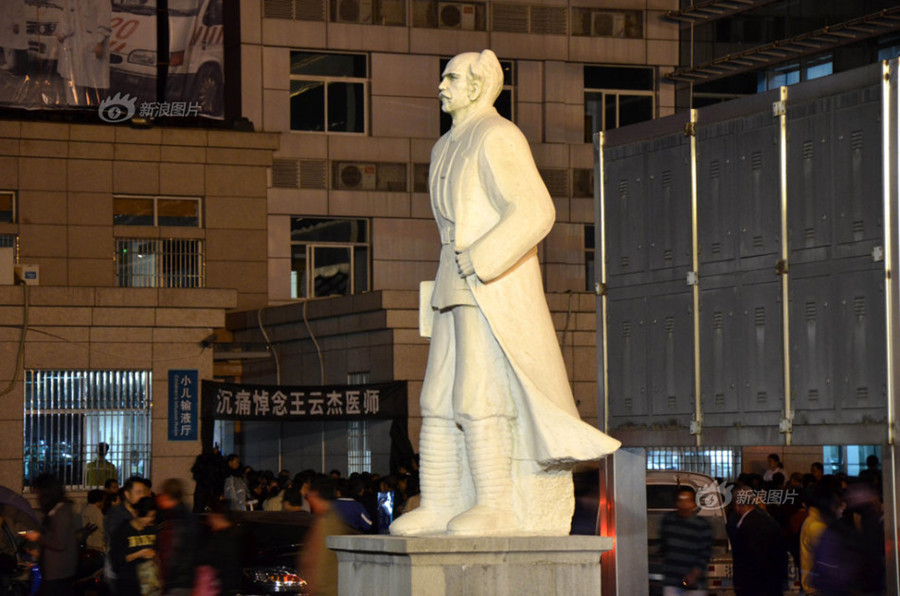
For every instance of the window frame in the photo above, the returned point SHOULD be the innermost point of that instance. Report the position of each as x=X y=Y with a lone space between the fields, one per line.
x=618 y=93
x=14 y=217
x=310 y=259
x=327 y=80
x=156 y=200
x=161 y=264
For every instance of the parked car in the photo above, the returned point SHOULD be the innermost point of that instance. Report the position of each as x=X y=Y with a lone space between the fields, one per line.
x=272 y=542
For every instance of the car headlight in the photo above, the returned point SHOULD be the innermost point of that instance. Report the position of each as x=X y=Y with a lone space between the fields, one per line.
x=143 y=57
x=276 y=579
x=46 y=28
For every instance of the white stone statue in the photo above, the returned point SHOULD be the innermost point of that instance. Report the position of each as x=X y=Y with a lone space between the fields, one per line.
x=500 y=430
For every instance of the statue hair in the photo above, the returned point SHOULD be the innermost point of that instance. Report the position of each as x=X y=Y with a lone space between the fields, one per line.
x=486 y=68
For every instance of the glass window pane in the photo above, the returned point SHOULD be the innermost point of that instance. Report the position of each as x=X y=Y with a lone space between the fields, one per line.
x=613 y=77
x=307 y=105
x=328 y=65
x=332 y=271
x=130 y=211
x=609 y=112
x=504 y=104
x=136 y=263
x=361 y=269
x=593 y=114
x=298 y=271
x=178 y=212
x=6 y=207
x=310 y=229
x=346 y=107
x=635 y=108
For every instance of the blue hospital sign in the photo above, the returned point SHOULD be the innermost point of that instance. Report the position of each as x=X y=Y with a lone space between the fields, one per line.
x=184 y=405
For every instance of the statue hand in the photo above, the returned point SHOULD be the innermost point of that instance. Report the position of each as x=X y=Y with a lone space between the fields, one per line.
x=464 y=264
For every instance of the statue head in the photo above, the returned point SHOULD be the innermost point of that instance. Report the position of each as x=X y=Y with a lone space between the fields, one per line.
x=471 y=82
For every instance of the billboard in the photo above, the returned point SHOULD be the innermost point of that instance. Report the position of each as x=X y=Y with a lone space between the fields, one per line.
x=110 y=56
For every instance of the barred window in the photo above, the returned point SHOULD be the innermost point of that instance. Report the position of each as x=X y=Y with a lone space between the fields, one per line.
x=359 y=455
x=72 y=416
x=718 y=462
x=160 y=263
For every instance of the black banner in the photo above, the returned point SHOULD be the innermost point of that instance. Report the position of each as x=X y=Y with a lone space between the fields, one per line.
x=229 y=401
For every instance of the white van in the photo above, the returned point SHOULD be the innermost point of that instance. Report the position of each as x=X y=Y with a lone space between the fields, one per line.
x=196 y=53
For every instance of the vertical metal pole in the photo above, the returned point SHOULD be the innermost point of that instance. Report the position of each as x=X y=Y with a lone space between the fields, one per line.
x=786 y=426
x=697 y=423
x=890 y=171
x=600 y=265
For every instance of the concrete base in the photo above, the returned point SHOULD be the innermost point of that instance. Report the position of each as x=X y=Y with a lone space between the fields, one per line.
x=485 y=566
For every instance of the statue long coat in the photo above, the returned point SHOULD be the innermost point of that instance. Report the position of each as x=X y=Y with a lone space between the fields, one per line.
x=502 y=210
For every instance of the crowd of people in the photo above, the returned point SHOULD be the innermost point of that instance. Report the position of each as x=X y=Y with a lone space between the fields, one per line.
x=151 y=543
x=831 y=525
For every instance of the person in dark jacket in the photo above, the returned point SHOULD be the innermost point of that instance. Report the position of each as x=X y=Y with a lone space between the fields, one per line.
x=57 y=538
x=760 y=556
x=685 y=544
x=132 y=551
x=177 y=539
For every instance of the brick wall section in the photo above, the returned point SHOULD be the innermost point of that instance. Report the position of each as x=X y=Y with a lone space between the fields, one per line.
x=80 y=328
x=66 y=175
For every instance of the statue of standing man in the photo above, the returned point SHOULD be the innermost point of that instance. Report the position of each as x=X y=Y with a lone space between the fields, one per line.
x=500 y=430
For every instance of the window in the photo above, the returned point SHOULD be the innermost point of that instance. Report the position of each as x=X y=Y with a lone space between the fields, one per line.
x=157 y=211
x=616 y=96
x=718 y=462
x=160 y=263
x=7 y=206
x=359 y=455
x=10 y=241
x=590 y=253
x=68 y=413
x=590 y=22
x=505 y=103
x=329 y=92
x=806 y=69
x=329 y=257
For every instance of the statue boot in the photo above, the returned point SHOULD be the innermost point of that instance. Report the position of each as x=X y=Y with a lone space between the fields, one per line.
x=489 y=446
x=439 y=478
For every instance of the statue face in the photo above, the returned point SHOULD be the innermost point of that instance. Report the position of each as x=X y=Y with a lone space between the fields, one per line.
x=454 y=88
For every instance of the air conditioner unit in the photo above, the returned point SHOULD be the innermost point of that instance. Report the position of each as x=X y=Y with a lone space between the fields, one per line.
x=455 y=15
x=354 y=11
x=356 y=176
x=608 y=24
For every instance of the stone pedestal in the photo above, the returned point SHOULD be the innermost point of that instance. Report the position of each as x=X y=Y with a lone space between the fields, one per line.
x=484 y=566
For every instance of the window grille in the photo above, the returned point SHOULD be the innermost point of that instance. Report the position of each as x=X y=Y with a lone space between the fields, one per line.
x=10 y=241
x=160 y=263
x=69 y=413
x=359 y=455
x=718 y=462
